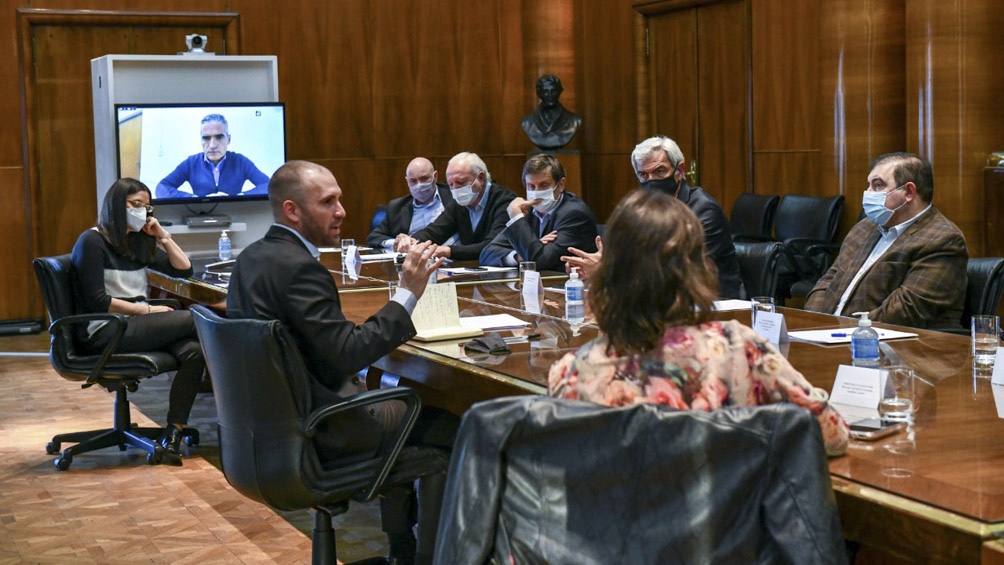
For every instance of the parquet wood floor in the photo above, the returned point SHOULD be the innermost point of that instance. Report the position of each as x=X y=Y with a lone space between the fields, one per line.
x=111 y=507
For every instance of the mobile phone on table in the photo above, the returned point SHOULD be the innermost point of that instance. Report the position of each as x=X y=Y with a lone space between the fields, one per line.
x=872 y=429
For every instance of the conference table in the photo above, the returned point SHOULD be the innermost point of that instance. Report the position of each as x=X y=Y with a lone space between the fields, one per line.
x=933 y=493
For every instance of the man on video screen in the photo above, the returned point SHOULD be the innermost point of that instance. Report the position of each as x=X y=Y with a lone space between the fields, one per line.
x=215 y=171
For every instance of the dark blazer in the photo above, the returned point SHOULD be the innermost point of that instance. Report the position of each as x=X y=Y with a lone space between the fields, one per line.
x=276 y=278
x=456 y=219
x=717 y=238
x=398 y=218
x=919 y=281
x=574 y=222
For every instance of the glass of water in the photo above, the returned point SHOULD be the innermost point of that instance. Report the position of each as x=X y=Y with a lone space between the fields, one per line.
x=897 y=403
x=985 y=332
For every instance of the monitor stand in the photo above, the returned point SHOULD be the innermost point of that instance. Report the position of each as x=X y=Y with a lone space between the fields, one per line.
x=207 y=221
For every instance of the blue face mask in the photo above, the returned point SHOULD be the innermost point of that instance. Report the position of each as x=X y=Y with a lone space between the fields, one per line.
x=874 y=205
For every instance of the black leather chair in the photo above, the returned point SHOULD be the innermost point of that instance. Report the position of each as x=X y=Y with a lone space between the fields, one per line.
x=379 y=215
x=542 y=480
x=117 y=372
x=983 y=290
x=758 y=266
x=262 y=392
x=752 y=217
x=807 y=226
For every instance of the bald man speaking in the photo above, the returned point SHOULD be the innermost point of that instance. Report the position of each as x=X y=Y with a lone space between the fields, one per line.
x=408 y=214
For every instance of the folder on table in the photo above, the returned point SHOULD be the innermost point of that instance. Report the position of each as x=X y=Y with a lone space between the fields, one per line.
x=437 y=316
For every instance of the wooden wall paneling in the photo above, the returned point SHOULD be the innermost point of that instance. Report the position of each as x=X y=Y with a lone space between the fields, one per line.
x=673 y=79
x=513 y=93
x=954 y=111
x=18 y=289
x=55 y=53
x=786 y=74
x=862 y=94
x=365 y=184
x=723 y=153
x=325 y=55
x=11 y=130
x=770 y=167
x=549 y=48
x=607 y=39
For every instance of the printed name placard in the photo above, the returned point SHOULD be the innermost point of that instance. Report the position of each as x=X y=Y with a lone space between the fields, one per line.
x=771 y=326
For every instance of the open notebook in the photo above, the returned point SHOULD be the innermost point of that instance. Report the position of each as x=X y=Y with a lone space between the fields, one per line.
x=437 y=316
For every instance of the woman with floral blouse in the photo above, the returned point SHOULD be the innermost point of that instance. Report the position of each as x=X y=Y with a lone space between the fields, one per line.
x=652 y=295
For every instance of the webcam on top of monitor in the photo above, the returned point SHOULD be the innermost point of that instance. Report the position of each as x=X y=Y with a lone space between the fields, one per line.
x=196 y=43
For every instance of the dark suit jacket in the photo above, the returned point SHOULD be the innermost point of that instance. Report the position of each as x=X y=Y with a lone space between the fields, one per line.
x=574 y=222
x=456 y=219
x=276 y=278
x=398 y=217
x=919 y=281
x=717 y=238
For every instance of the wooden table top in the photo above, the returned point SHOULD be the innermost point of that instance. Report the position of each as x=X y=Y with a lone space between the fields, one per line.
x=941 y=481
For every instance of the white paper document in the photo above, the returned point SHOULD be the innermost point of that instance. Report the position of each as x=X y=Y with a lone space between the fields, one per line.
x=474 y=270
x=493 y=322
x=437 y=316
x=731 y=304
x=388 y=256
x=843 y=335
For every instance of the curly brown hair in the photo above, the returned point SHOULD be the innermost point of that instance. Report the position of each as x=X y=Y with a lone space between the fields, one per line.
x=653 y=274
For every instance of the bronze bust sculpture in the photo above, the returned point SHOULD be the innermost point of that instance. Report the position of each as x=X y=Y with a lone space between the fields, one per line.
x=551 y=126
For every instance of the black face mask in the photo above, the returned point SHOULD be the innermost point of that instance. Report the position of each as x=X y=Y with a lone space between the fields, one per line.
x=666 y=186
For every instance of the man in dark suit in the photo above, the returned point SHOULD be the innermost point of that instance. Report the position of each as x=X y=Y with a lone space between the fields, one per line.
x=543 y=226
x=279 y=278
x=906 y=262
x=658 y=164
x=476 y=212
x=408 y=214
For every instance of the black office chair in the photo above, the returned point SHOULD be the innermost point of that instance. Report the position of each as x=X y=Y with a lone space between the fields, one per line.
x=752 y=217
x=985 y=285
x=758 y=266
x=262 y=393
x=379 y=215
x=117 y=372
x=651 y=485
x=807 y=226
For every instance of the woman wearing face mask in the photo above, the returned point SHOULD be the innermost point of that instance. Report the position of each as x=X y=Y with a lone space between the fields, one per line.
x=110 y=261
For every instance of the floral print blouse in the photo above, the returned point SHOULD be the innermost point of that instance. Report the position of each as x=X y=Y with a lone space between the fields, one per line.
x=701 y=367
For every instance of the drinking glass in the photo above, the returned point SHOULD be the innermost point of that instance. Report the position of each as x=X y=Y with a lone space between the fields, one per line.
x=761 y=304
x=897 y=396
x=525 y=266
x=985 y=332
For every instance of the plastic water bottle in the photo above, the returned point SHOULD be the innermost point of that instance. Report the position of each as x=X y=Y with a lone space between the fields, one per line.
x=575 y=308
x=864 y=343
x=224 y=246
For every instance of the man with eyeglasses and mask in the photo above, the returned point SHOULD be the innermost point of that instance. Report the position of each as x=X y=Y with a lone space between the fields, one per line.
x=474 y=216
x=408 y=214
x=906 y=262
x=545 y=224
x=658 y=164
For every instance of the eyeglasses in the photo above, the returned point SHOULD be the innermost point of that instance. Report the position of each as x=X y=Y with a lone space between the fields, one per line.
x=140 y=204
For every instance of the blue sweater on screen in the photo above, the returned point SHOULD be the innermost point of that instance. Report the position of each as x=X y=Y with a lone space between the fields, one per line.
x=198 y=173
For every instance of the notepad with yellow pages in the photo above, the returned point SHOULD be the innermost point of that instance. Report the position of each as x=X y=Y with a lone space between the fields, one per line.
x=437 y=316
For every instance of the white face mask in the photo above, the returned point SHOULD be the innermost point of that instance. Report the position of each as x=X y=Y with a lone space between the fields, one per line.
x=423 y=192
x=547 y=200
x=136 y=218
x=465 y=195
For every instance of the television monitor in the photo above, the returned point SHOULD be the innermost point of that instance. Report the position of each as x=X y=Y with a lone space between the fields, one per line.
x=201 y=153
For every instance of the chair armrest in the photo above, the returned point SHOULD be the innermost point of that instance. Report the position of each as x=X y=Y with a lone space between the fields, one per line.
x=751 y=238
x=176 y=304
x=118 y=324
x=389 y=455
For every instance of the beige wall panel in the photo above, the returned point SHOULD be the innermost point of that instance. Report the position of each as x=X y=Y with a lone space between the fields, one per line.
x=954 y=111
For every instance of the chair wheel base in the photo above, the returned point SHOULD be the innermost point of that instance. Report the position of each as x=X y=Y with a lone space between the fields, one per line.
x=63 y=463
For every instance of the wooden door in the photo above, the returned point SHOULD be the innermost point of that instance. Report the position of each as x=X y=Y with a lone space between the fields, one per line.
x=699 y=88
x=57 y=48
